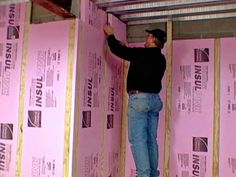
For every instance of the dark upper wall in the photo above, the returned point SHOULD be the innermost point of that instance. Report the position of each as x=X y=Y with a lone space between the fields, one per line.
x=189 y=29
x=41 y=15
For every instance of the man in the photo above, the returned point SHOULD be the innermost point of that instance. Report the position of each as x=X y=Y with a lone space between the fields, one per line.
x=147 y=67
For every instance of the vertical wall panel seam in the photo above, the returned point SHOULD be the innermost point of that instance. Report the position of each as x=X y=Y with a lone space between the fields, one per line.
x=68 y=97
x=22 y=91
x=104 y=115
x=79 y=74
x=168 y=98
x=124 y=121
x=216 y=108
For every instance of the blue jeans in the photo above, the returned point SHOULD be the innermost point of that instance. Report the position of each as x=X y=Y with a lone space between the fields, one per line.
x=143 y=116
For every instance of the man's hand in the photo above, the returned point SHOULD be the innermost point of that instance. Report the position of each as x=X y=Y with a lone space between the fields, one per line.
x=108 y=30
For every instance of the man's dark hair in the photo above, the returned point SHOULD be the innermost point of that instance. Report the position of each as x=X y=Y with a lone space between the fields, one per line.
x=160 y=35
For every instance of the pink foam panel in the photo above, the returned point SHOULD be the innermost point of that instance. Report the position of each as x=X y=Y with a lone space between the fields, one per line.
x=12 y=20
x=227 y=154
x=192 y=108
x=114 y=94
x=45 y=99
x=90 y=14
x=92 y=105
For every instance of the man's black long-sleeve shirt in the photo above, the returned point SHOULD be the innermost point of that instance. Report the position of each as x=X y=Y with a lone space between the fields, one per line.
x=147 y=66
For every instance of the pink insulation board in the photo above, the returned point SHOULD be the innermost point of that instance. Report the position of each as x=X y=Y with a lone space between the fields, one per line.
x=130 y=166
x=92 y=98
x=227 y=153
x=90 y=14
x=45 y=99
x=114 y=96
x=192 y=108
x=12 y=21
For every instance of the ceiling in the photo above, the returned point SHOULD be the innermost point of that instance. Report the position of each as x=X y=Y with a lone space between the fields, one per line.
x=136 y=12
